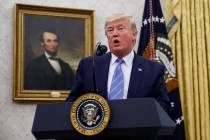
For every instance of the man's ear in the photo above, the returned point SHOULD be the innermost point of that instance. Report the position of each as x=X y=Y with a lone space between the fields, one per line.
x=134 y=37
x=42 y=44
x=135 y=34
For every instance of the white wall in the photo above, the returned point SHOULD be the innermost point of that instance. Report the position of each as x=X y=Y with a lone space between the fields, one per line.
x=16 y=118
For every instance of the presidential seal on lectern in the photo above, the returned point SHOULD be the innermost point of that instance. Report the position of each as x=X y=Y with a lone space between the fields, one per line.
x=90 y=114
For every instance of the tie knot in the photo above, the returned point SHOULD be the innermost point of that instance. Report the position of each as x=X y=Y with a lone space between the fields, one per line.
x=53 y=58
x=120 y=61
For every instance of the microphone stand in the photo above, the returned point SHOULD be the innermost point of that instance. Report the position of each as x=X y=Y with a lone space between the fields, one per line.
x=94 y=71
x=100 y=50
x=94 y=77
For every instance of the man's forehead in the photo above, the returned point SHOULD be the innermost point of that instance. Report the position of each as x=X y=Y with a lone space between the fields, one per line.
x=49 y=34
x=118 y=22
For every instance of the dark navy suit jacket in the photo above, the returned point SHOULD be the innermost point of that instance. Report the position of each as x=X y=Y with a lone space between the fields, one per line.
x=147 y=79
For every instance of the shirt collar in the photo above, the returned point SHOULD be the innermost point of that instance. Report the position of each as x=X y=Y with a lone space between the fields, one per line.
x=128 y=59
x=47 y=55
x=50 y=56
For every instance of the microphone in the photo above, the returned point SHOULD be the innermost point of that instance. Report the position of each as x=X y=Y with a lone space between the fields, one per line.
x=100 y=49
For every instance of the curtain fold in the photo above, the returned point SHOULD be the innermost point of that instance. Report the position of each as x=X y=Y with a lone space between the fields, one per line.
x=191 y=50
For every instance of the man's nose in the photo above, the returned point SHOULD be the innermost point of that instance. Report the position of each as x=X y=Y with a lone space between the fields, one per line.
x=115 y=32
x=54 y=43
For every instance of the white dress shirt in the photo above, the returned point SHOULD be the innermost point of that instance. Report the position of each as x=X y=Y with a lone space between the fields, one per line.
x=54 y=63
x=126 y=69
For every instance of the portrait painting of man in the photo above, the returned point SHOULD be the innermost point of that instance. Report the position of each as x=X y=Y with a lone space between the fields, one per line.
x=47 y=71
x=49 y=43
x=53 y=47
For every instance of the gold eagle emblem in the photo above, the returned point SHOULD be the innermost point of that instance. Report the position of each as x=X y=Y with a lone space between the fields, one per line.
x=90 y=114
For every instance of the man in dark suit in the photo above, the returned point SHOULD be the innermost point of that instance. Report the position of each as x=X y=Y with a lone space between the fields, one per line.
x=48 y=72
x=121 y=73
x=139 y=77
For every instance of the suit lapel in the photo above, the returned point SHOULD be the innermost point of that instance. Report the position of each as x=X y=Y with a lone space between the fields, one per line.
x=48 y=68
x=136 y=78
x=102 y=69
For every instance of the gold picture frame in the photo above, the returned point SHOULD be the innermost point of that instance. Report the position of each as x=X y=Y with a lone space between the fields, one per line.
x=76 y=29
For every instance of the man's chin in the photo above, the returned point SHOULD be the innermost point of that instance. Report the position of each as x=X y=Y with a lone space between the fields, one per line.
x=117 y=49
x=118 y=53
x=52 y=53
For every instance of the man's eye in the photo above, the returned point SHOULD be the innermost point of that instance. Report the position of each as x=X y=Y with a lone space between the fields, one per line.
x=109 y=29
x=120 y=28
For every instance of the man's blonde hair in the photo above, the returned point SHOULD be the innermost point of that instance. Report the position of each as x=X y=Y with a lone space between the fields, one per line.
x=121 y=16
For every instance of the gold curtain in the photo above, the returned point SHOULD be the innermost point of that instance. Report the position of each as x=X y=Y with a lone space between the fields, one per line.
x=191 y=47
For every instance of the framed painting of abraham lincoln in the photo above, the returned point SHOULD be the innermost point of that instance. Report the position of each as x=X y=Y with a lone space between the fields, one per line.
x=48 y=45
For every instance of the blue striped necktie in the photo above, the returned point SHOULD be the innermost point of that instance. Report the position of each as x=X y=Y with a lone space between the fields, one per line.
x=117 y=85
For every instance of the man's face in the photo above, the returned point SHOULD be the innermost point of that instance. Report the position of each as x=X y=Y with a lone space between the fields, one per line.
x=50 y=43
x=120 y=36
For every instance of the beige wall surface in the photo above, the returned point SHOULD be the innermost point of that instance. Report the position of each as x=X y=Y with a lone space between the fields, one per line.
x=16 y=118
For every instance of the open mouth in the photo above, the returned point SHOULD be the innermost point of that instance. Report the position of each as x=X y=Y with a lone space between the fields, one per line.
x=116 y=41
